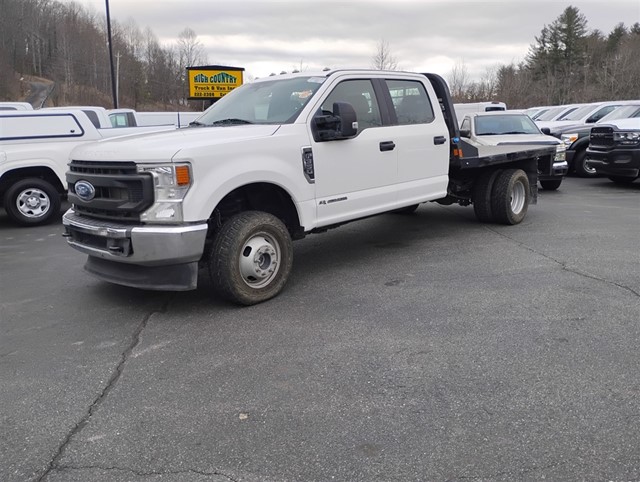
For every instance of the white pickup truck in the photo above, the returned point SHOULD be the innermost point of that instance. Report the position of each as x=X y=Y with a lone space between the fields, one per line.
x=34 y=157
x=271 y=162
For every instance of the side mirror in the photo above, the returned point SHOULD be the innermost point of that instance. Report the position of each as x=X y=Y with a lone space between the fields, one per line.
x=546 y=130
x=342 y=124
x=465 y=133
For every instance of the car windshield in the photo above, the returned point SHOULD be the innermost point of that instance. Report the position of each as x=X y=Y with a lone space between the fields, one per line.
x=552 y=113
x=622 y=112
x=580 y=113
x=495 y=125
x=277 y=101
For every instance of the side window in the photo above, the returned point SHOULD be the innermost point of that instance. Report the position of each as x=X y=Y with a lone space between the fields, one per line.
x=601 y=113
x=360 y=94
x=466 y=125
x=411 y=102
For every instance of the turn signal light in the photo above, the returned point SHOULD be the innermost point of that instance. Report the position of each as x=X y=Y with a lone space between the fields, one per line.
x=182 y=176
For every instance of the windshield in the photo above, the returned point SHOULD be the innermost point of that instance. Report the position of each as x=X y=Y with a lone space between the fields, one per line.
x=268 y=102
x=580 y=113
x=494 y=125
x=622 y=112
x=552 y=113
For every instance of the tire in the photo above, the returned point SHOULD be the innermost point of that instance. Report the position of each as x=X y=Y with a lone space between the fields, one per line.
x=510 y=197
x=32 y=202
x=580 y=166
x=406 y=210
x=482 y=192
x=551 y=184
x=251 y=258
x=622 y=180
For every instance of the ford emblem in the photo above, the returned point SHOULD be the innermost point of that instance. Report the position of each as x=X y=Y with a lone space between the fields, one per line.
x=85 y=190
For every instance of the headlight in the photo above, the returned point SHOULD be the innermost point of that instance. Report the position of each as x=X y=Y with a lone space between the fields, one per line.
x=568 y=139
x=628 y=138
x=561 y=153
x=171 y=182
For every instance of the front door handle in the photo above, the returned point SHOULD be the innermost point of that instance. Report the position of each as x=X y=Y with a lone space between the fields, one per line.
x=387 y=146
x=439 y=140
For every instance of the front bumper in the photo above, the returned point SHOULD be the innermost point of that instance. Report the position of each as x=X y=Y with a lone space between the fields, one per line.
x=558 y=169
x=150 y=257
x=615 y=162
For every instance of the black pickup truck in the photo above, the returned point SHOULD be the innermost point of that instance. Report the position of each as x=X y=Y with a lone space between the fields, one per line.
x=614 y=150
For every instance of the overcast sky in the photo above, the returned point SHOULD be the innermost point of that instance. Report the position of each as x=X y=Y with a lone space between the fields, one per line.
x=265 y=36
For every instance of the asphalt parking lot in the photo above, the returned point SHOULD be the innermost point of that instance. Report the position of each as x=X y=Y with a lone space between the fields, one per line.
x=427 y=347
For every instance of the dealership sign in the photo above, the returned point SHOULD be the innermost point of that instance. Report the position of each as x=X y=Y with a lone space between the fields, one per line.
x=213 y=81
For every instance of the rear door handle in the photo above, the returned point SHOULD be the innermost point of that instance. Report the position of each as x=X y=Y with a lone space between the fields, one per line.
x=387 y=146
x=439 y=140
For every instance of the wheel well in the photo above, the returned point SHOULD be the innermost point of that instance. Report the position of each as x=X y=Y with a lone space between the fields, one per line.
x=43 y=173
x=259 y=197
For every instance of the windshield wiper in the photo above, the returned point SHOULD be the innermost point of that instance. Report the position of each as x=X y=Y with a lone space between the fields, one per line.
x=517 y=132
x=196 y=124
x=232 y=121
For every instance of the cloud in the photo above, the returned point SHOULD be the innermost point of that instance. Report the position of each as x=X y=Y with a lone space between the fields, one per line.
x=271 y=36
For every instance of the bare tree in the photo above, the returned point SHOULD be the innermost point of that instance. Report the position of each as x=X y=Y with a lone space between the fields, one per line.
x=383 y=59
x=459 y=81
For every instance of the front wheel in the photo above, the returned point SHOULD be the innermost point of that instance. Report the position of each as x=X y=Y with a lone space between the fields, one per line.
x=510 y=197
x=32 y=202
x=251 y=258
x=551 y=184
x=581 y=166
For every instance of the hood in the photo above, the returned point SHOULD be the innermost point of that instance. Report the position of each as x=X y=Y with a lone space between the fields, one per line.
x=518 y=139
x=623 y=124
x=572 y=128
x=163 y=146
x=557 y=125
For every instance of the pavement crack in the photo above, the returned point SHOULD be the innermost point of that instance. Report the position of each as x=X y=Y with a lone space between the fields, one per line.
x=113 y=380
x=564 y=266
x=147 y=473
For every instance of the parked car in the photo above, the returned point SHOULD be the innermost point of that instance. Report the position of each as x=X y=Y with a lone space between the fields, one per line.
x=131 y=118
x=463 y=109
x=508 y=129
x=614 y=150
x=576 y=138
x=34 y=154
x=556 y=113
x=587 y=114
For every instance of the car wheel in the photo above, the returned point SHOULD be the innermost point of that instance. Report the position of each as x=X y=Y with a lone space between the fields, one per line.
x=551 y=184
x=32 y=202
x=482 y=192
x=510 y=197
x=251 y=258
x=581 y=167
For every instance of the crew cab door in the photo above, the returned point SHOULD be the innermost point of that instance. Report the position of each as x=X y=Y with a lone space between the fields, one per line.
x=422 y=140
x=355 y=177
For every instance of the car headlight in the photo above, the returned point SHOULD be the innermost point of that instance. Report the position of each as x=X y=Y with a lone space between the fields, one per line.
x=568 y=139
x=171 y=182
x=561 y=153
x=626 y=138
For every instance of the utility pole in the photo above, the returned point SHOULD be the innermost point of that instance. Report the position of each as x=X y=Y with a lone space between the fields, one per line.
x=118 y=78
x=113 y=77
